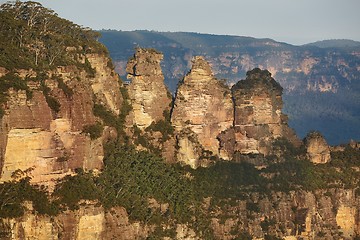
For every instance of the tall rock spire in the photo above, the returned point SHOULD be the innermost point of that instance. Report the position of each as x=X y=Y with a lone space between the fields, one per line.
x=203 y=109
x=148 y=94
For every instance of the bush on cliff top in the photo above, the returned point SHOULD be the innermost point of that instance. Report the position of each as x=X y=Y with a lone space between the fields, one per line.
x=10 y=80
x=32 y=36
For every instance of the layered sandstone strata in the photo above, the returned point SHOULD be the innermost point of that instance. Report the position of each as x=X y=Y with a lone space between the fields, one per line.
x=148 y=94
x=323 y=214
x=203 y=109
x=258 y=117
x=318 y=151
x=49 y=141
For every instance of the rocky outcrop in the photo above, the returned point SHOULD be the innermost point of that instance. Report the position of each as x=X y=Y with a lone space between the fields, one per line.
x=89 y=222
x=318 y=151
x=148 y=94
x=105 y=83
x=301 y=71
x=323 y=214
x=258 y=117
x=148 y=122
x=203 y=109
x=44 y=132
x=212 y=121
x=209 y=120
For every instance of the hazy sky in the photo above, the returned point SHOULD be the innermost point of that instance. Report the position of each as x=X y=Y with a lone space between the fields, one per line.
x=292 y=21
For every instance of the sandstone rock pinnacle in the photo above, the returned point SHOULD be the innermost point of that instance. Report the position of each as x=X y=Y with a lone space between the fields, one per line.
x=317 y=149
x=258 y=113
x=148 y=94
x=203 y=109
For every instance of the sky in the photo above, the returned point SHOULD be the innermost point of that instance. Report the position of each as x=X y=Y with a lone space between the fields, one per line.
x=293 y=21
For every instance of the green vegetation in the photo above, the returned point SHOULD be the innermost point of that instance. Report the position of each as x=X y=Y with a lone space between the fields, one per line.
x=286 y=149
x=272 y=237
x=136 y=179
x=10 y=80
x=72 y=189
x=144 y=139
x=52 y=102
x=32 y=36
x=162 y=126
x=148 y=138
x=130 y=178
x=267 y=223
x=14 y=193
x=293 y=174
x=125 y=109
x=94 y=130
x=65 y=88
x=110 y=119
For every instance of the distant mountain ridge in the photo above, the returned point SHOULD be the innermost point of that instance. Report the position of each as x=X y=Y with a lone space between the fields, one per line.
x=321 y=80
x=335 y=43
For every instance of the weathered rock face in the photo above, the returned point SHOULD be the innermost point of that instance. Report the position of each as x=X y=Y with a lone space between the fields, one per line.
x=330 y=214
x=318 y=151
x=89 y=222
x=151 y=102
x=203 y=109
x=324 y=214
x=258 y=118
x=105 y=83
x=51 y=142
x=301 y=70
x=147 y=91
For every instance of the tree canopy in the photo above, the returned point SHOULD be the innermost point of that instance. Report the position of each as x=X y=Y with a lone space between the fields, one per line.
x=32 y=36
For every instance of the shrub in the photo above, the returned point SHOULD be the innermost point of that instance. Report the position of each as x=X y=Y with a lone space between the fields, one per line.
x=162 y=126
x=89 y=69
x=10 y=80
x=94 y=130
x=71 y=189
x=253 y=207
x=65 y=88
x=53 y=103
x=14 y=193
x=108 y=117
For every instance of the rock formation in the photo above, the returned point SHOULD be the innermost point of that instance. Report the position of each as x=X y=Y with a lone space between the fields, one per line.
x=37 y=135
x=89 y=222
x=293 y=215
x=105 y=83
x=207 y=123
x=148 y=122
x=296 y=215
x=147 y=91
x=57 y=118
x=301 y=71
x=318 y=151
x=203 y=109
x=258 y=117
x=210 y=121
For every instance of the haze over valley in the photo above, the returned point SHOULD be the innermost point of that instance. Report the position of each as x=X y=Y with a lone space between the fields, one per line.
x=321 y=80
x=179 y=135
